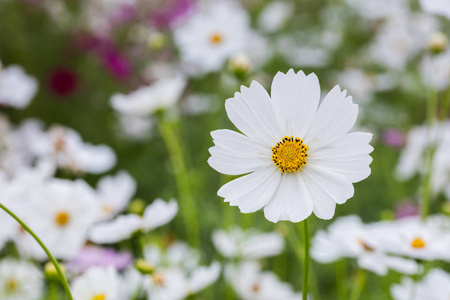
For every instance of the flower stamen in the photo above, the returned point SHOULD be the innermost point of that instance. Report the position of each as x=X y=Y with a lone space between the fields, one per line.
x=418 y=243
x=62 y=219
x=216 y=38
x=99 y=297
x=290 y=154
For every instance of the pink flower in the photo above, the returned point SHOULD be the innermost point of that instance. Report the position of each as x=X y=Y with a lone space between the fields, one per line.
x=170 y=13
x=406 y=209
x=63 y=82
x=91 y=256
x=393 y=138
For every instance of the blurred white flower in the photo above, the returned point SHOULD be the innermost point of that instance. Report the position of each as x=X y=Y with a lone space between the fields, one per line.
x=75 y=155
x=379 y=9
x=114 y=194
x=249 y=244
x=299 y=154
x=162 y=94
x=274 y=15
x=136 y=127
x=177 y=272
x=438 y=7
x=250 y=283
x=348 y=237
x=361 y=85
x=412 y=157
x=435 y=70
x=17 y=89
x=97 y=283
x=155 y=215
x=417 y=239
x=20 y=280
x=400 y=38
x=435 y=286
x=211 y=35
x=60 y=212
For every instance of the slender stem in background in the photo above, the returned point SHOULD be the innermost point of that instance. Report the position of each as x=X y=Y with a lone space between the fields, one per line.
x=358 y=285
x=187 y=203
x=53 y=291
x=50 y=256
x=306 y=261
x=341 y=280
x=427 y=193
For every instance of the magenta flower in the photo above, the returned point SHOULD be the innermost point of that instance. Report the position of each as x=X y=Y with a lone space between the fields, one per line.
x=393 y=138
x=406 y=209
x=91 y=256
x=170 y=13
x=63 y=82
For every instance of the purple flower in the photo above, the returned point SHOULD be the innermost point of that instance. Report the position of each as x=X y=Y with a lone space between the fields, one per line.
x=171 y=13
x=406 y=209
x=63 y=82
x=393 y=138
x=91 y=256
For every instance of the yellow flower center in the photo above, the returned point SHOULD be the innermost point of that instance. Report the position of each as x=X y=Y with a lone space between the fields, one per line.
x=11 y=286
x=365 y=246
x=418 y=243
x=158 y=279
x=62 y=219
x=290 y=154
x=99 y=297
x=216 y=38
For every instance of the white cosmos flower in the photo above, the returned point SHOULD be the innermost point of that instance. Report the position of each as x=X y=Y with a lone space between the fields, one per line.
x=275 y=15
x=435 y=286
x=20 y=280
x=438 y=7
x=61 y=212
x=155 y=215
x=97 y=283
x=417 y=239
x=114 y=194
x=300 y=155
x=435 y=70
x=250 y=283
x=212 y=35
x=162 y=94
x=16 y=88
x=348 y=237
x=250 y=244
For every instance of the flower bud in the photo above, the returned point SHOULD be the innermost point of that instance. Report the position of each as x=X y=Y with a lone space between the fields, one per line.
x=50 y=271
x=144 y=267
x=240 y=64
x=137 y=206
x=438 y=42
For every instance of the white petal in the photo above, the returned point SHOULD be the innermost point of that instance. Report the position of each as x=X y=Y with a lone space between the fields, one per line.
x=263 y=245
x=204 y=276
x=373 y=262
x=115 y=231
x=159 y=213
x=327 y=184
x=251 y=192
x=347 y=156
x=291 y=201
x=335 y=117
x=296 y=98
x=252 y=113
x=236 y=154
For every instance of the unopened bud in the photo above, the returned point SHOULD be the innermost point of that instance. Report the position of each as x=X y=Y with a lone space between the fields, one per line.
x=51 y=272
x=137 y=206
x=240 y=64
x=156 y=40
x=144 y=267
x=438 y=42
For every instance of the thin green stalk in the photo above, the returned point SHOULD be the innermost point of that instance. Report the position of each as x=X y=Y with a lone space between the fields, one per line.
x=187 y=203
x=358 y=286
x=341 y=280
x=306 y=261
x=427 y=193
x=50 y=256
x=53 y=291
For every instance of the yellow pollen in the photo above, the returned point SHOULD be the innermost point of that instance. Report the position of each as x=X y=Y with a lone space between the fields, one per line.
x=99 y=297
x=290 y=154
x=62 y=219
x=11 y=286
x=365 y=246
x=418 y=243
x=256 y=287
x=158 y=279
x=107 y=209
x=216 y=38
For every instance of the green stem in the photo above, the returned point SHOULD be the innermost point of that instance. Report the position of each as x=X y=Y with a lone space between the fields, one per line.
x=50 y=256
x=427 y=193
x=306 y=261
x=53 y=291
x=187 y=203
x=358 y=285
x=341 y=280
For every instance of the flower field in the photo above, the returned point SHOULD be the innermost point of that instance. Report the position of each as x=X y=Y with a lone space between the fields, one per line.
x=200 y=149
